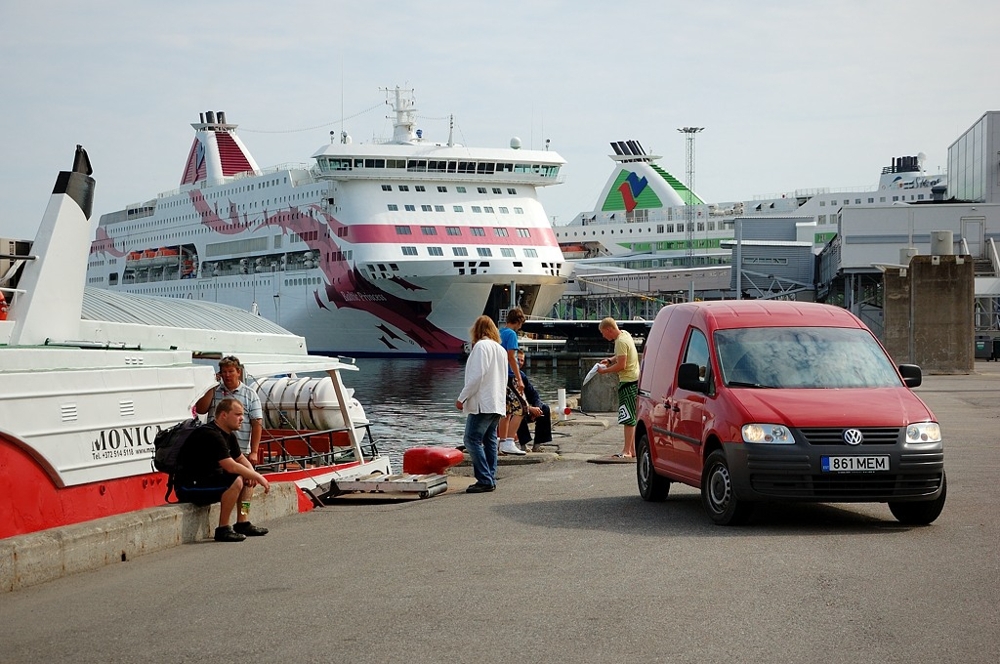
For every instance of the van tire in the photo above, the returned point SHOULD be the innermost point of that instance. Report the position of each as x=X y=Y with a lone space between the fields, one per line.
x=718 y=495
x=920 y=513
x=652 y=487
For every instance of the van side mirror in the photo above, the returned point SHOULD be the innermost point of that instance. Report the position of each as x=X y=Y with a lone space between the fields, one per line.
x=689 y=378
x=911 y=375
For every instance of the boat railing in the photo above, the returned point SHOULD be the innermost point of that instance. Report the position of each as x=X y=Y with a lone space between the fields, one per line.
x=308 y=449
x=242 y=175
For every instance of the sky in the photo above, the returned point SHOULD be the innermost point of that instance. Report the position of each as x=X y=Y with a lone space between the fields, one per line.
x=791 y=94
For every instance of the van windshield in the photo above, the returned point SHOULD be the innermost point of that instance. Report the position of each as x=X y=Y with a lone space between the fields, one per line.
x=803 y=357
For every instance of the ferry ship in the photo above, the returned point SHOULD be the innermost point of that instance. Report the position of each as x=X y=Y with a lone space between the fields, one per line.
x=385 y=249
x=643 y=209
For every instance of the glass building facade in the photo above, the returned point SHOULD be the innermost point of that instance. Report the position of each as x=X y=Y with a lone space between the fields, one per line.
x=973 y=161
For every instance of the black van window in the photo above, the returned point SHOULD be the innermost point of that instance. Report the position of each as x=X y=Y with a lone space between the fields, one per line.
x=697 y=352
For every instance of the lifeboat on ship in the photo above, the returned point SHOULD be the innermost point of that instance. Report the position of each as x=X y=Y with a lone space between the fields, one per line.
x=573 y=251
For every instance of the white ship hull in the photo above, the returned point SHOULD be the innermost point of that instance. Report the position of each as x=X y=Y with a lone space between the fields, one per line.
x=382 y=249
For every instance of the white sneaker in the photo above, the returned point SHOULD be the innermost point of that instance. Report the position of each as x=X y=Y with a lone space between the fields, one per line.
x=507 y=446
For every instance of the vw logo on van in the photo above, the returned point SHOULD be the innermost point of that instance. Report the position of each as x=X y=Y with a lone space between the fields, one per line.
x=853 y=436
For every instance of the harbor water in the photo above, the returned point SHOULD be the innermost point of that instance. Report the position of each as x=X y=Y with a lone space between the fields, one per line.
x=411 y=402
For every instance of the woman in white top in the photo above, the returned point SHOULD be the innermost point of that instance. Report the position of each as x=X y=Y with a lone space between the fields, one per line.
x=484 y=400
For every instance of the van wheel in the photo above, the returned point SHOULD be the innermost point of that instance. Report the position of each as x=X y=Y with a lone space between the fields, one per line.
x=652 y=487
x=717 y=494
x=920 y=513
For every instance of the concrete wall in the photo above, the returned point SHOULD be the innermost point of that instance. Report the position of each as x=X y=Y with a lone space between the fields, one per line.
x=27 y=560
x=929 y=314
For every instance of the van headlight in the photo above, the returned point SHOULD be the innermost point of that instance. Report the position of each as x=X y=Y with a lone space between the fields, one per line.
x=773 y=434
x=923 y=432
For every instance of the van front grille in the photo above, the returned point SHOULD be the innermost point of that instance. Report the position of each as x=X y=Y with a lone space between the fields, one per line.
x=835 y=435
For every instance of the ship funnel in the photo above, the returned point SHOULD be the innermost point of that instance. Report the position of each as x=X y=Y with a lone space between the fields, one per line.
x=222 y=117
x=51 y=305
x=210 y=117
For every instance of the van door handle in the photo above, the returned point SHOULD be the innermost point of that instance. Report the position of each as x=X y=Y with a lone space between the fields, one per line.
x=672 y=406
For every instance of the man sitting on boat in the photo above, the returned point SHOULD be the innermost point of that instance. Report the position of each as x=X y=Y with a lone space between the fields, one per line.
x=538 y=412
x=231 y=386
x=214 y=469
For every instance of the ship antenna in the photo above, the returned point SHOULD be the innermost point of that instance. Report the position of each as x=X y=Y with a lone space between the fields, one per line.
x=451 y=131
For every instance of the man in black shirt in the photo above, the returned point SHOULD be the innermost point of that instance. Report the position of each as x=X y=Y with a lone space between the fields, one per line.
x=214 y=469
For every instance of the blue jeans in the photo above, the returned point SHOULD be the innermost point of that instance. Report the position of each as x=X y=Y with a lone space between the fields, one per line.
x=481 y=444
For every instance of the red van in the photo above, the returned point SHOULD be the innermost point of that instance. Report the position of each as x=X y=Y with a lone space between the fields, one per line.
x=762 y=401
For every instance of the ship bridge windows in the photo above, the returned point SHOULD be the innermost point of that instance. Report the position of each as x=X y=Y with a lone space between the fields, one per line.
x=416 y=165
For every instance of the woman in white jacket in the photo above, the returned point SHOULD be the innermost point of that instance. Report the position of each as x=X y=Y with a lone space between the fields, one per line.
x=484 y=401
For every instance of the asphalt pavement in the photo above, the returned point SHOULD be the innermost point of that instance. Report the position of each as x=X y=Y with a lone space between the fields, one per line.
x=563 y=563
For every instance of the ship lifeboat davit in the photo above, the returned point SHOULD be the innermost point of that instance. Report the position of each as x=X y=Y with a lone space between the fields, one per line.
x=430 y=460
x=306 y=404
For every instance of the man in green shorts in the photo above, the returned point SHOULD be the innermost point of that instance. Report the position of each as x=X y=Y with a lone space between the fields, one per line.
x=625 y=363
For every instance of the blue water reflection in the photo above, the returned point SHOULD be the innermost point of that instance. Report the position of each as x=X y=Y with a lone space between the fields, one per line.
x=411 y=402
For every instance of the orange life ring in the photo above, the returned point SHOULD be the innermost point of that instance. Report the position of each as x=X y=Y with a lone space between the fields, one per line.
x=3 y=307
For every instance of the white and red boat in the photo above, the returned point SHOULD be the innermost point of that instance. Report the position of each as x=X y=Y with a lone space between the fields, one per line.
x=388 y=248
x=88 y=377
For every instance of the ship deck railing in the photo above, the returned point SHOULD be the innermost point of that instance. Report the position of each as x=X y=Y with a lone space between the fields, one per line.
x=299 y=449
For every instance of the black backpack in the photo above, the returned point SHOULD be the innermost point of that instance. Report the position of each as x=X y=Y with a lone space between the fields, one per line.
x=167 y=449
